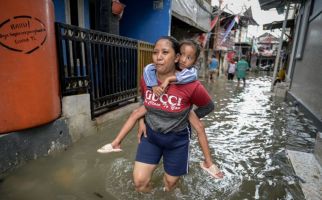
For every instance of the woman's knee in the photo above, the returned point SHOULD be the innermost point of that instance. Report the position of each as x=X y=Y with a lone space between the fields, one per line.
x=142 y=175
x=141 y=183
x=170 y=182
x=140 y=180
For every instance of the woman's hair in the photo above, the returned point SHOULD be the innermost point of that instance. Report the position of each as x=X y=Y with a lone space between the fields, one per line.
x=174 y=43
x=192 y=43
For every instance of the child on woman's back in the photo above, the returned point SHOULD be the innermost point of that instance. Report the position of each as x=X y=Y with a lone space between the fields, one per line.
x=189 y=52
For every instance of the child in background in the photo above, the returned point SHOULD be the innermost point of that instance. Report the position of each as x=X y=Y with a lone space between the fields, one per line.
x=231 y=69
x=189 y=52
x=213 y=67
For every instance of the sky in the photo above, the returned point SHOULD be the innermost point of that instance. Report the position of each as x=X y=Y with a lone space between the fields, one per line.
x=260 y=16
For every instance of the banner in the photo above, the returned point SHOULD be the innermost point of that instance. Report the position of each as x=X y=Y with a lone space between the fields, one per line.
x=231 y=25
x=213 y=22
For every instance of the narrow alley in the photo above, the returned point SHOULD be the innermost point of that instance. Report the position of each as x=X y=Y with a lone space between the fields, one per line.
x=248 y=134
x=70 y=75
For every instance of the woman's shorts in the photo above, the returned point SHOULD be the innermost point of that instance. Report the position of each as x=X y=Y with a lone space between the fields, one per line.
x=173 y=146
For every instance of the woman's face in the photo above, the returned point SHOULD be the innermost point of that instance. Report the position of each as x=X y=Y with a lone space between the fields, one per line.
x=164 y=56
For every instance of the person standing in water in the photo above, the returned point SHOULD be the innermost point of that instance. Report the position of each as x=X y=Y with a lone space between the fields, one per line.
x=241 y=69
x=189 y=52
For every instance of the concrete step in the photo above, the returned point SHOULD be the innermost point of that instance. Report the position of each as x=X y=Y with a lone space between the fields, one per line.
x=309 y=171
x=318 y=147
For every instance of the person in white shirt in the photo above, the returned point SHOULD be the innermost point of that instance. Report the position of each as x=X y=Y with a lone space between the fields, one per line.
x=231 y=69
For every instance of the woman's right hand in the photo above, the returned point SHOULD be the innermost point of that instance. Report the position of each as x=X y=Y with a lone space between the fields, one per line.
x=141 y=130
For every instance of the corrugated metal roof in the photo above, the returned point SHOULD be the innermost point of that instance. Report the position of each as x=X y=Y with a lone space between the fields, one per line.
x=278 y=24
x=269 y=4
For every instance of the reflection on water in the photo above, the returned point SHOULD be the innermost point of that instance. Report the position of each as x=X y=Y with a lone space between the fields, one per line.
x=248 y=133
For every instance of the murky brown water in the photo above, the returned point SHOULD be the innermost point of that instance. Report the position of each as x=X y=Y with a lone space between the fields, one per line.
x=248 y=134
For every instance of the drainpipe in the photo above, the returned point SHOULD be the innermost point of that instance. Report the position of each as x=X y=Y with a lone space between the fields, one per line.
x=277 y=59
x=239 y=40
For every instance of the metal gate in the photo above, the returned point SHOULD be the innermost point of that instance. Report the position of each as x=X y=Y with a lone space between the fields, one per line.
x=102 y=64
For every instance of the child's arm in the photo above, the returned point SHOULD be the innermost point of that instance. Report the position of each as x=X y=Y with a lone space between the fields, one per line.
x=129 y=124
x=187 y=75
x=167 y=81
x=150 y=76
x=202 y=137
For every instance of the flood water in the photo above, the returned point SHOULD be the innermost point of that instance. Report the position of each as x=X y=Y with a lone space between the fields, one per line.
x=248 y=134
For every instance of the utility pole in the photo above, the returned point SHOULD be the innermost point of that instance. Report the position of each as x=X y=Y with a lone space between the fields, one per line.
x=216 y=34
x=280 y=45
x=239 y=41
x=217 y=28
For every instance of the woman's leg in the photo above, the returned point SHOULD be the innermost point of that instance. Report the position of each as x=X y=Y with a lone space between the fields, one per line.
x=142 y=176
x=148 y=156
x=175 y=156
x=170 y=182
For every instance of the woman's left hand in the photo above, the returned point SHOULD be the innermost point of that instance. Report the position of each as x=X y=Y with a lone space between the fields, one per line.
x=141 y=130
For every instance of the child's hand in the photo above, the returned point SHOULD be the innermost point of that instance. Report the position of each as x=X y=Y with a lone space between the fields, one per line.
x=165 y=84
x=157 y=90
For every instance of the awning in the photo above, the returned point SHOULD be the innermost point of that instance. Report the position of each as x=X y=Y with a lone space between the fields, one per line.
x=243 y=44
x=185 y=24
x=278 y=25
x=269 y=4
x=193 y=13
x=248 y=21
